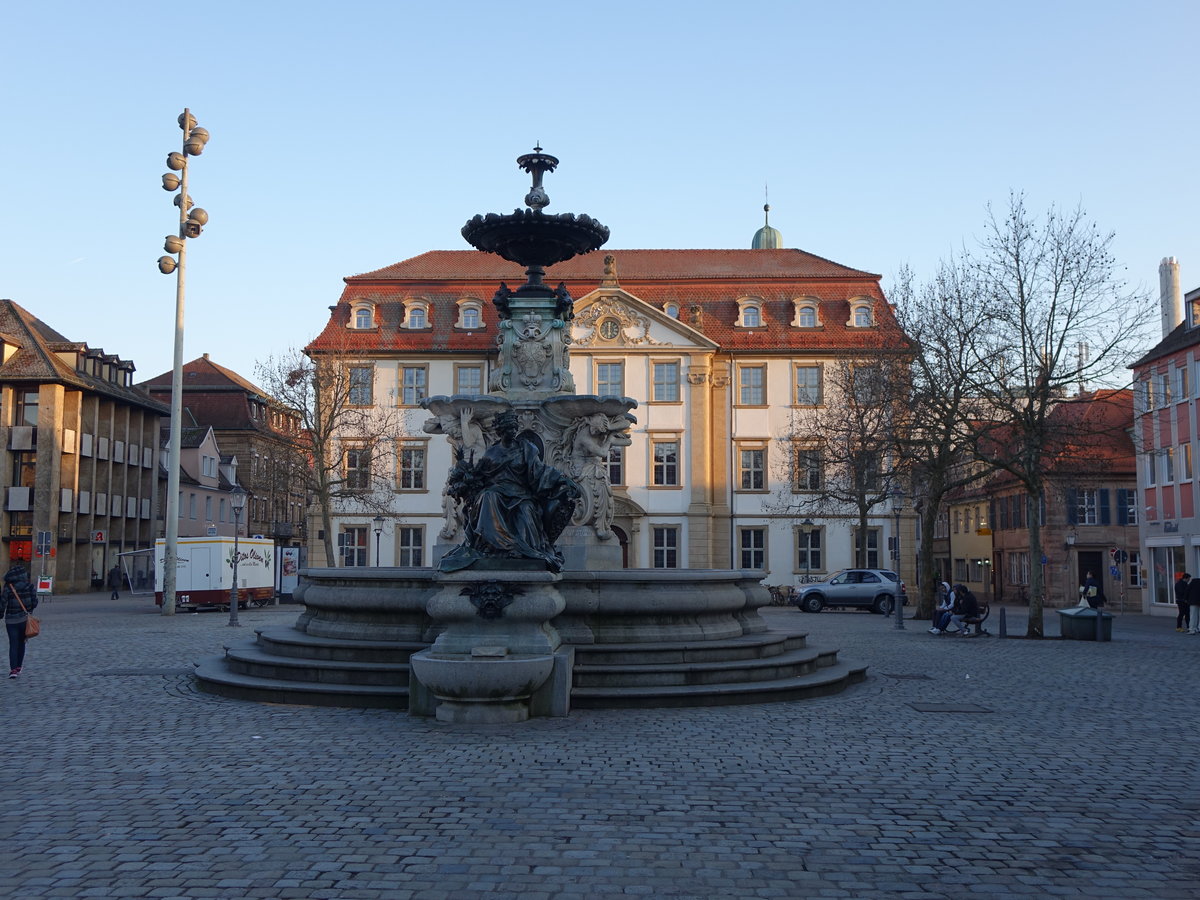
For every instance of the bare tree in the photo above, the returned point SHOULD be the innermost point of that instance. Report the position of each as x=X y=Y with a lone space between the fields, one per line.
x=347 y=438
x=1058 y=317
x=941 y=317
x=838 y=456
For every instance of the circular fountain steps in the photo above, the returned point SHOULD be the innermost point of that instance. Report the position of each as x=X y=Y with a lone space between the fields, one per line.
x=286 y=665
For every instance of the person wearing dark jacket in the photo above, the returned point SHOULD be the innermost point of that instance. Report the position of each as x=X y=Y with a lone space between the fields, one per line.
x=17 y=585
x=114 y=582
x=1193 y=599
x=965 y=607
x=1181 y=603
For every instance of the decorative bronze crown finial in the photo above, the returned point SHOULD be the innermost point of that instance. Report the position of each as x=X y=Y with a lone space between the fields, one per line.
x=537 y=164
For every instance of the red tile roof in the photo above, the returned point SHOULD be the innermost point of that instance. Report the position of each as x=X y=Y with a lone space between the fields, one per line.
x=707 y=281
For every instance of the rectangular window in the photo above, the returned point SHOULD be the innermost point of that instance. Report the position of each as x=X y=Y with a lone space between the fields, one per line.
x=412 y=468
x=353 y=545
x=468 y=380
x=1182 y=386
x=610 y=379
x=616 y=465
x=1168 y=465
x=361 y=386
x=809 y=469
x=358 y=468
x=1162 y=389
x=1136 y=575
x=191 y=505
x=1185 y=462
x=752 y=385
x=666 y=547
x=808 y=551
x=752 y=468
x=1151 y=469
x=960 y=570
x=411 y=545
x=666 y=382
x=808 y=386
x=870 y=559
x=753 y=548
x=1087 y=508
x=208 y=509
x=666 y=463
x=412 y=385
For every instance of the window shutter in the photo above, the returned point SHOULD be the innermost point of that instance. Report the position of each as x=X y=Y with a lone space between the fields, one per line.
x=1072 y=506
x=1105 y=515
x=1122 y=506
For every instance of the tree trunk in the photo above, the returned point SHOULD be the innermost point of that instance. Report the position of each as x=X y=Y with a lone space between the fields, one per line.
x=928 y=565
x=1037 y=581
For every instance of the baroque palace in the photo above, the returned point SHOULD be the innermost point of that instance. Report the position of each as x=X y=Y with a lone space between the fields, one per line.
x=720 y=348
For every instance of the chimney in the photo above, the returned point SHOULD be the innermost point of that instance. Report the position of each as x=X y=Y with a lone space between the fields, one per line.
x=1170 y=296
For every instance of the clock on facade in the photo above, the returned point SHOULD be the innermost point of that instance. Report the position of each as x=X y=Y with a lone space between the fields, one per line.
x=609 y=329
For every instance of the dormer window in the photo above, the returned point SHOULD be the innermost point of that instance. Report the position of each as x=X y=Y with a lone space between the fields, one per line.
x=416 y=314
x=806 y=313
x=749 y=312
x=672 y=310
x=860 y=314
x=470 y=314
x=364 y=317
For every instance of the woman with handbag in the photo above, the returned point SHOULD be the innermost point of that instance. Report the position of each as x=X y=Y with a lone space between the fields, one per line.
x=20 y=599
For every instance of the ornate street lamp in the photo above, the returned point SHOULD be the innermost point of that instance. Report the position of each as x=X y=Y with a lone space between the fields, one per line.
x=807 y=527
x=191 y=223
x=378 y=531
x=897 y=508
x=237 y=500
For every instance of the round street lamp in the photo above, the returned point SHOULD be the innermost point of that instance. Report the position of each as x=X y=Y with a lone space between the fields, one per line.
x=807 y=527
x=378 y=520
x=237 y=500
x=191 y=223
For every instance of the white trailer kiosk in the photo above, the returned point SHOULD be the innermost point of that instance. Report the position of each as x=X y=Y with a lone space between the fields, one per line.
x=204 y=572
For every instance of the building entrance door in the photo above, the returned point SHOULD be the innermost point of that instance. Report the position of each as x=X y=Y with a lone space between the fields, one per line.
x=1089 y=561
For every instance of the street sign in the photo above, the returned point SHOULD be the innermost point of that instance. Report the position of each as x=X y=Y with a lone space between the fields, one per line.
x=1114 y=572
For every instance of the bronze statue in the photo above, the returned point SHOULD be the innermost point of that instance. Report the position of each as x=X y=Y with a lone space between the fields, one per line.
x=516 y=505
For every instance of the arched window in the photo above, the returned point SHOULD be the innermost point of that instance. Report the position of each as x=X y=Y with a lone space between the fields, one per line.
x=860 y=314
x=749 y=312
x=807 y=317
x=363 y=317
x=807 y=312
x=470 y=314
x=416 y=314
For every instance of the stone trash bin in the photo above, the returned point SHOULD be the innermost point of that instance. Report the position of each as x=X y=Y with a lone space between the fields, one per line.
x=1079 y=624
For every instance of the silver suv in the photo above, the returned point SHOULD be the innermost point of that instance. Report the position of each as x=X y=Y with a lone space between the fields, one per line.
x=873 y=589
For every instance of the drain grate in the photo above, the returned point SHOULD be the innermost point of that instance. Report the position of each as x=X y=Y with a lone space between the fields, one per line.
x=949 y=707
x=108 y=672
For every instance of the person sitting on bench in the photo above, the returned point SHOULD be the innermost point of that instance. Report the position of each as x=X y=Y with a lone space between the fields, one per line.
x=965 y=607
x=945 y=607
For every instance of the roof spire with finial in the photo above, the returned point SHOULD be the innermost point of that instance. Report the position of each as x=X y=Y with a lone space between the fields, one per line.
x=766 y=238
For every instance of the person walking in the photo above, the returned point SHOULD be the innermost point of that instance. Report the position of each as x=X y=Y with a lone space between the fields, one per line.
x=1091 y=591
x=20 y=599
x=1193 y=599
x=114 y=582
x=1181 y=603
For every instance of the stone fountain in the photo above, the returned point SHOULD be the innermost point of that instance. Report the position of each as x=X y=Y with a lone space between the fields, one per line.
x=529 y=612
x=527 y=465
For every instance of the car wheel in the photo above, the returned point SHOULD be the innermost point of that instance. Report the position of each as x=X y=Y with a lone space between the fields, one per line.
x=812 y=603
x=883 y=604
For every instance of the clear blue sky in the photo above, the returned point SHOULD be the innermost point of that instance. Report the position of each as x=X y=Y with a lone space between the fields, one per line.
x=348 y=136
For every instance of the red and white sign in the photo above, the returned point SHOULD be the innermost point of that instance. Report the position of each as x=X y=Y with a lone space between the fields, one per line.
x=97 y=537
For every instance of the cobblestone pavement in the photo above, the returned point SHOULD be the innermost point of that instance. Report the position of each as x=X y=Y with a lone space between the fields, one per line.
x=960 y=768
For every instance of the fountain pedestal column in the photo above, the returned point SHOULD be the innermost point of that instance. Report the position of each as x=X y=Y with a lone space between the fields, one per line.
x=498 y=659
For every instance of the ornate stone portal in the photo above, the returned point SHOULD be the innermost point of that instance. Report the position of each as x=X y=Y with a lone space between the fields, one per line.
x=522 y=454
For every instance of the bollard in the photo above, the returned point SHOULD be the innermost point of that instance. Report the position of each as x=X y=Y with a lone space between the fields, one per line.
x=1003 y=624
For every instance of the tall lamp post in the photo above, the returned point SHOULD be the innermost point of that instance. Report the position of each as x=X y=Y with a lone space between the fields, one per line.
x=191 y=223
x=807 y=527
x=897 y=508
x=237 y=500
x=378 y=531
